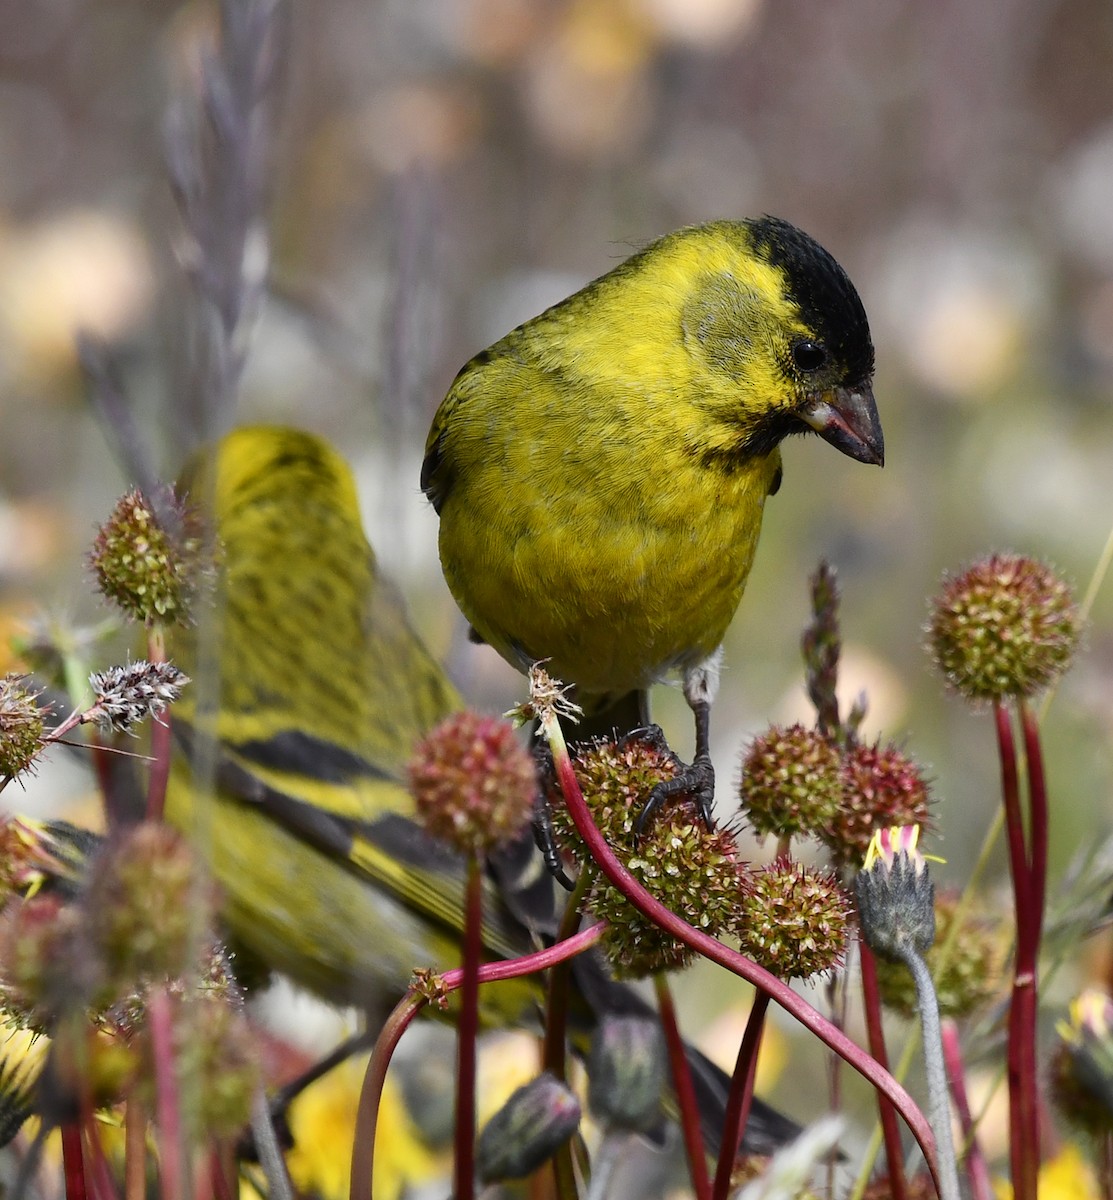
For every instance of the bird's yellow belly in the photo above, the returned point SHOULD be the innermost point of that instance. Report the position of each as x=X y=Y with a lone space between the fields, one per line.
x=615 y=594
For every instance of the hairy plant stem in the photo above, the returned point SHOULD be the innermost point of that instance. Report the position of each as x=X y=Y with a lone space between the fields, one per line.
x=939 y=1104
x=977 y=1169
x=268 y=1149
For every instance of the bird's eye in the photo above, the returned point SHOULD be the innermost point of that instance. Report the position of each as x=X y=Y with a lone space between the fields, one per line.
x=809 y=356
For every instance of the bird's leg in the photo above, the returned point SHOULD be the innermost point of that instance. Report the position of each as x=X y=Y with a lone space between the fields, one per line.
x=544 y=835
x=697 y=779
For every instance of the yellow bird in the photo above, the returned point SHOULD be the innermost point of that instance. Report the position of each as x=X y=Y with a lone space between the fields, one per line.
x=309 y=690
x=600 y=473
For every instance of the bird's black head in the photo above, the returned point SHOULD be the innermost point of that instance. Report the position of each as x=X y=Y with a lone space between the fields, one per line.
x=828 y=302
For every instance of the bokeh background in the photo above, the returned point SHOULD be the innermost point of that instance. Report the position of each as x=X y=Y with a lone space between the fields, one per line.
x=436 y=172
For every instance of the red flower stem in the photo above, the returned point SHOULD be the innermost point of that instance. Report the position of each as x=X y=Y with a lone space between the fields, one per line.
x=135 y=1149
x=160 y=739
x=1038 y=825
x=713 y=949
x=73 y=1161
x=171 y=1158
x=1024 y=1151
x=977 y=1169
x=98 y=1175
x=220 y=1176
x=1014 y=821
x=875 y=1034
x=467 y=1032
x=741 y=1095
x=684 y=1088
x=556 y=1002
x=554 y=1050
x=363 y=1151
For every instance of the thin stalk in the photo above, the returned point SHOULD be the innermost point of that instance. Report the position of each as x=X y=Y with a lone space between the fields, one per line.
x=836 y=1008
x=1014 y=821
x=611 y=1149
x=160 y=739
x=1024 y=1151
x=363 y=1152
x=940 y=1108
x=467 y=1032
x=1038 y=825
x=875 y=1034
x=556 y=1003
x=977 y=1169
x=135 y=1149
x=73 y=1161
x=268 y=1148
x=167 y=1098
x=371 y=1094
x=98 y=1174
x=741 y=1095
x=221 y=1182
x=714 y=950
x=554 y=1052
x=685 y=1091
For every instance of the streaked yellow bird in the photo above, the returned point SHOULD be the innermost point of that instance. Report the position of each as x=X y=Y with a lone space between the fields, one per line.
x=601 y=472
x=310 y=688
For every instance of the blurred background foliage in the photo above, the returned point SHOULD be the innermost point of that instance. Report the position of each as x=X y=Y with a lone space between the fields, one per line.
x=439 y=171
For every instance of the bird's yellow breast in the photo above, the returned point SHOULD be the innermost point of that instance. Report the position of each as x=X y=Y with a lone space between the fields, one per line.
x=613 y=550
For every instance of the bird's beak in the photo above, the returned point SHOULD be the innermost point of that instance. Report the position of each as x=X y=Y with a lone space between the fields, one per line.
x=848 y=420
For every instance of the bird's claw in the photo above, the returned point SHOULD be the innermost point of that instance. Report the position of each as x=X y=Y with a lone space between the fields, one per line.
x=696 y=779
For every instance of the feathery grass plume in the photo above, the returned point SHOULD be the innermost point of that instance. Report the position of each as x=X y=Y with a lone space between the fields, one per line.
x=1006 y=626
x=125 y=696
x=821 y=646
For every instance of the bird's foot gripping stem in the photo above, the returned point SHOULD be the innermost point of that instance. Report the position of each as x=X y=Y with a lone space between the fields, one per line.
x=695 y=780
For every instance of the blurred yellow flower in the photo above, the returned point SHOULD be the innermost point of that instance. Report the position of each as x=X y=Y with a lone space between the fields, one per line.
x=80 y=271
x=1067 y=1176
